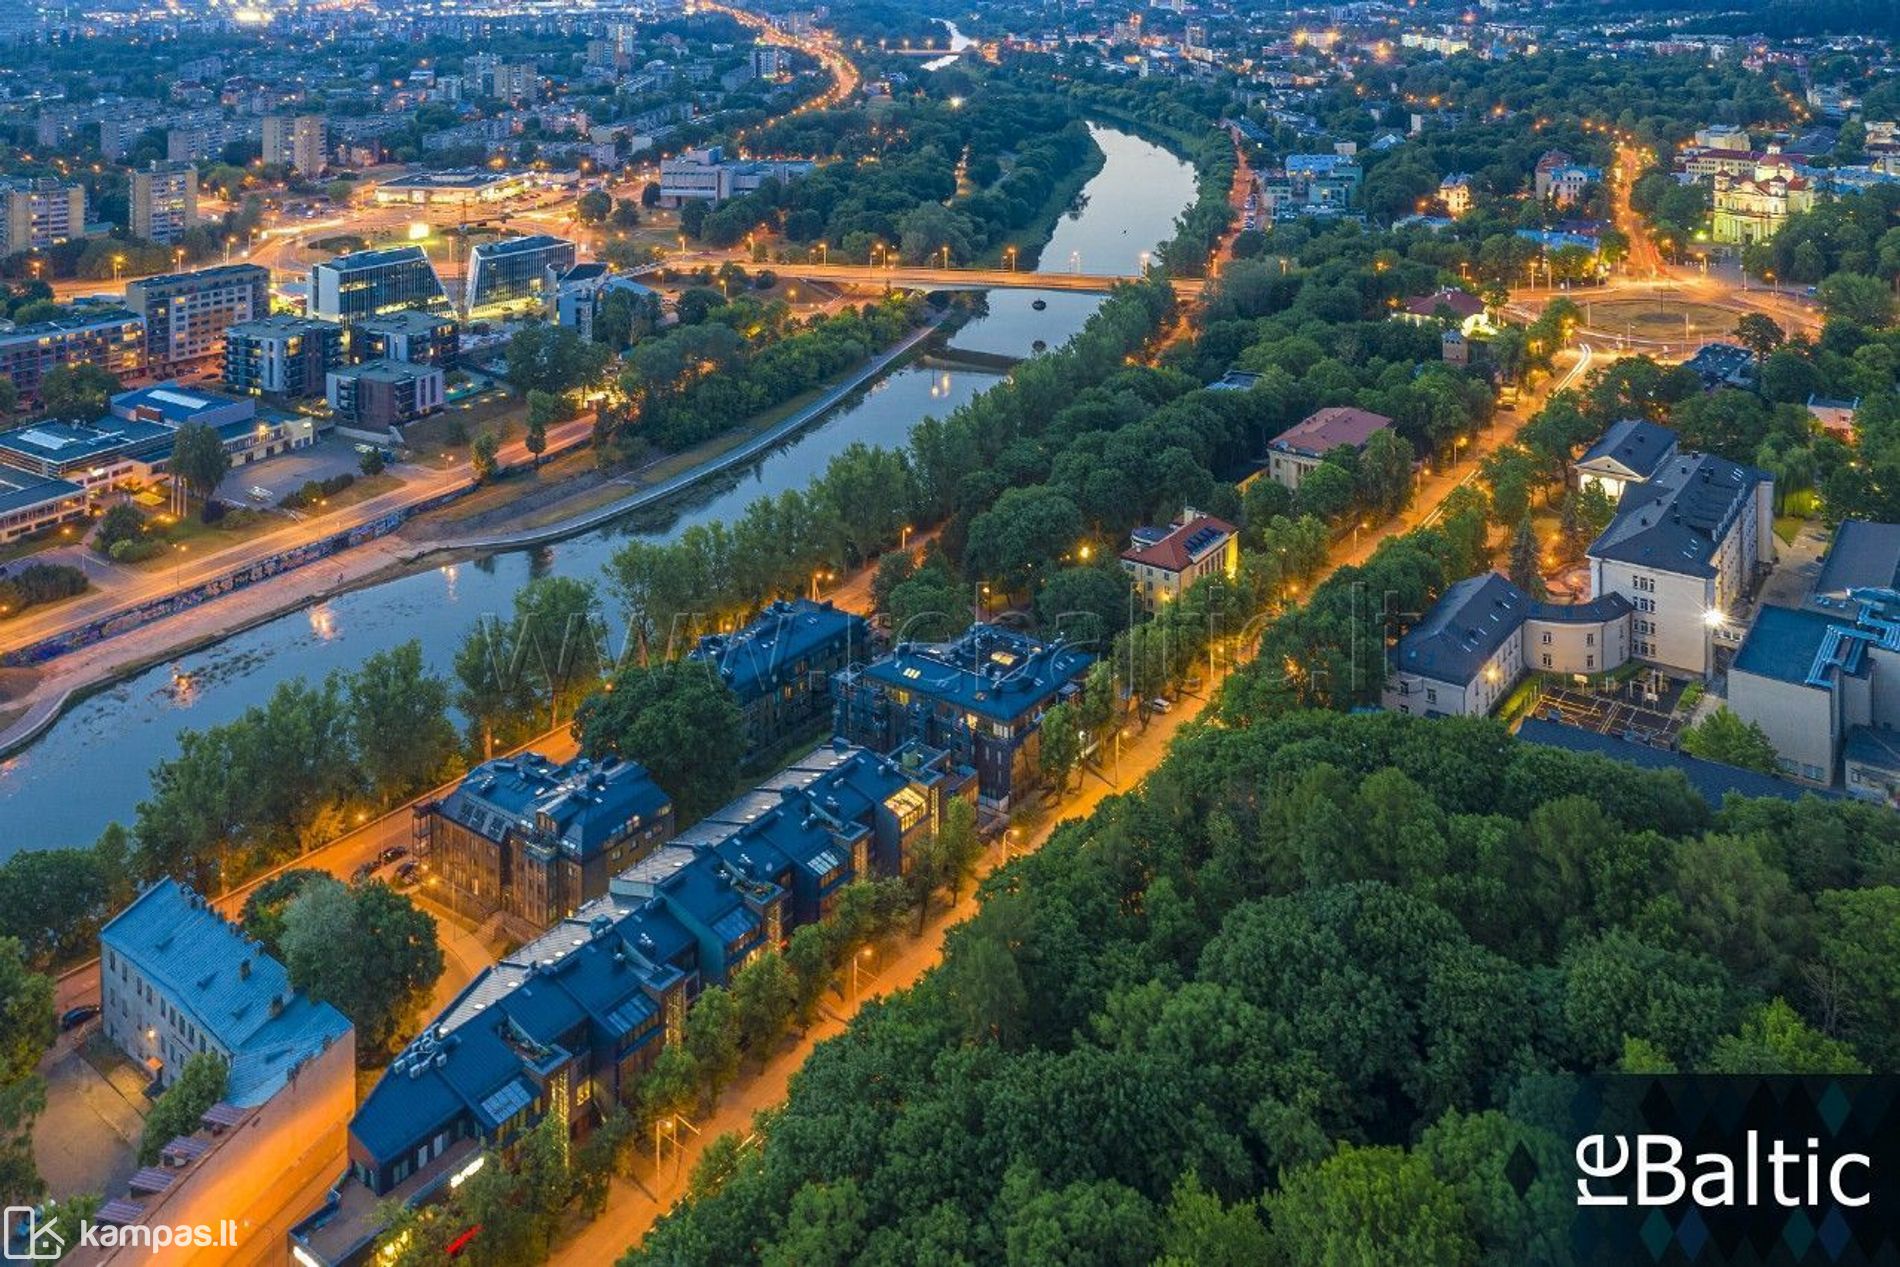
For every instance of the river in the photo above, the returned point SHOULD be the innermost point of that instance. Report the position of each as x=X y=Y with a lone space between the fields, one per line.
x=92 y=766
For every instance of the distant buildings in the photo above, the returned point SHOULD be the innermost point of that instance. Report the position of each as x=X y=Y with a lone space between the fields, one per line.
x=707 y=175
x=1559 y=179
x=164 y=201
x=366 y=283
x=464 y=187
x=980 y=698
x=779 y=667
x=175 y=980
x=300 y=141
x=1310 y=184
x=1750 y=210
x=284 y=355
x=40 y=212
x=1163 y=562
x=1455 y=192
x=186 y=314
x=1460 y=307
x=1683 y=551
x=511 y=269
x=111 y=338
x=535 y=841
x=1292 y=455
x=384 y=395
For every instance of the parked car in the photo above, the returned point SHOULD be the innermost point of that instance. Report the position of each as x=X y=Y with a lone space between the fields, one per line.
x=362 y=873
x=392 y=853
x=73 y=1018
x=1159 y=705
x=406 y=873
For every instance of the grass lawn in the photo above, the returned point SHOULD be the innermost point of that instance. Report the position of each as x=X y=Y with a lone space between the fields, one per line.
x=1788 y=527
x=191 y=535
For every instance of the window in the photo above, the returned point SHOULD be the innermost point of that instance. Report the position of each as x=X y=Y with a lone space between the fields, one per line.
x=1589 y=662
x=1547 y=659
x=1644 y=583
x=1547 y=640
x=1589 y=640
x=1431 y=695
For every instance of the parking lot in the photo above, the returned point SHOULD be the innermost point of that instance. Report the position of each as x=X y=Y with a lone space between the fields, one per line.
x=330 y=455
x=1627 y=710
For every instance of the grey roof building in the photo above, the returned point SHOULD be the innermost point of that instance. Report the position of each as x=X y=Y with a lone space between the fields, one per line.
x=1629 y=452
x=177 y=978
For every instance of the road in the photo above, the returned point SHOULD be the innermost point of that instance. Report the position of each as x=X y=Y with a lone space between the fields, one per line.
x=1648 y=274
x=634 y=1205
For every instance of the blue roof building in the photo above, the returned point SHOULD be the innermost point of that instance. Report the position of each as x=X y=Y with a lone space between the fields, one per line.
x=591 y=1003
x=536 y=840
x=780 y=665
x=178 y=979
x=980 y=698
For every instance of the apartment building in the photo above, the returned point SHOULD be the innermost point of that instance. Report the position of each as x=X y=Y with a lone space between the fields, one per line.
x=384 y=395
x=779 y=667
x=299 y=141
x=980 y=697
x=40 y=212
x=567 y=1024
x=536 y=840
x=412 y=335
x=164 y=200
x=284 y=355
x=186 y=315
x=31 y=504
x=111 y=338
x=574 y=296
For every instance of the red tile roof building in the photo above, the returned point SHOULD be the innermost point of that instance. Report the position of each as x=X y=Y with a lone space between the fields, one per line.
x=1163 y=564
x=1294 y=453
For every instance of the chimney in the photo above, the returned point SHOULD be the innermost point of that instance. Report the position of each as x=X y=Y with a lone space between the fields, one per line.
x=244 y=969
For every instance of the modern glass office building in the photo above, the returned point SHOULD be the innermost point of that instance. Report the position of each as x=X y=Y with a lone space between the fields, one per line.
x=515 y=268
x=365 y=283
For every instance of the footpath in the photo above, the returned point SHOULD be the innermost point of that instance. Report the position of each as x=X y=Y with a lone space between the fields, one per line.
x=141 y=644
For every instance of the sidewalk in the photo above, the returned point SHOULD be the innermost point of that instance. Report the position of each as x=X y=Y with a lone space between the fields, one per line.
x=232 y=613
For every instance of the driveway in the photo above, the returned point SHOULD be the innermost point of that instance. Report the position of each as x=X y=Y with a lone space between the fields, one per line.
x=87 y=1139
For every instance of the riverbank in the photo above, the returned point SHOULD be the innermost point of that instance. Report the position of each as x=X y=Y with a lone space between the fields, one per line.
x=80 y=673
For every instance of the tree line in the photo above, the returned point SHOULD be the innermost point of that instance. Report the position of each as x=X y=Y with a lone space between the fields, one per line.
x=1304 y=992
